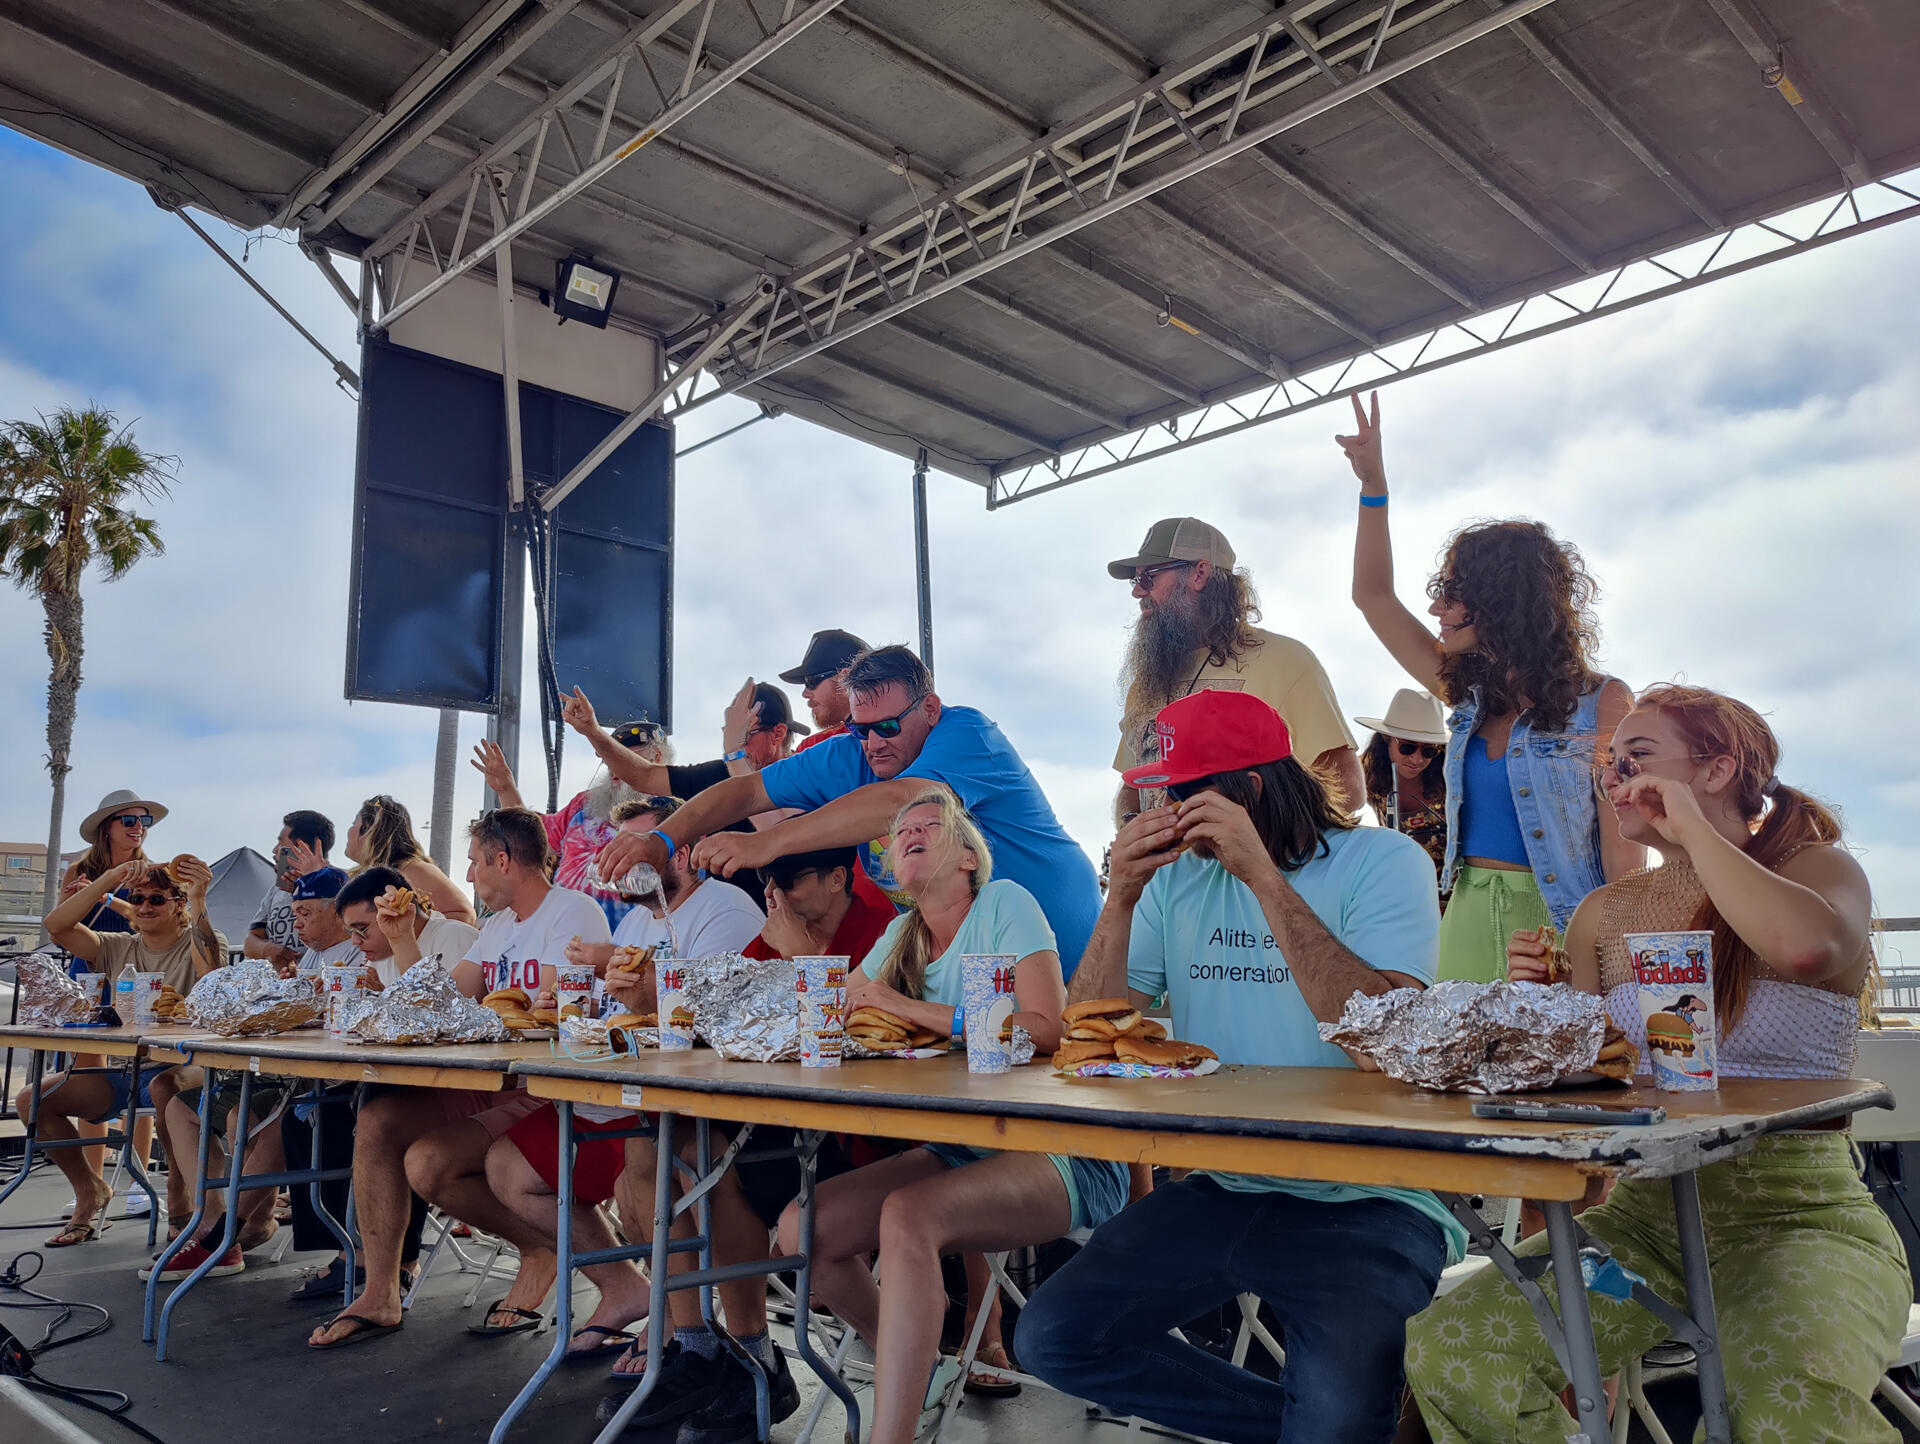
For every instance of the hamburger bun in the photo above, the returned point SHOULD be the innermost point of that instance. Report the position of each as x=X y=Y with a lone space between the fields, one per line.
x=545 y=1017
x=572 y=1010
x=879 y=1017
x=924 y=1038
x=1147 y=1028
x=631 y=1020
x=1162 y=1053
x=1095 y=1008
x=1072 y=1054
x=518 y=997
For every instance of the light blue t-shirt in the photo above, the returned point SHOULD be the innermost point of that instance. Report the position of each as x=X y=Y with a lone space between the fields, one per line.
x=1200 y=937
x=1004 y=918
x=967 y=752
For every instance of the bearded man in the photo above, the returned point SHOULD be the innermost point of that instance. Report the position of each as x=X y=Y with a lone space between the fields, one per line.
x=1196 y=632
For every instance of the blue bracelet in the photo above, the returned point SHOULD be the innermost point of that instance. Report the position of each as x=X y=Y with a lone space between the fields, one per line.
x=671 y=849
x=1373 y=501
x=959 y=1023
x=735 y=756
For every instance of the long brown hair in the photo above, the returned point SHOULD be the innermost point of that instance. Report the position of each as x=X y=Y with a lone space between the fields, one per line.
x=905 y=967
x=1782 y=819
x=1529 y=598
x=99 y=855
x=1376 y=762
x=386 y=834
x=1293 y=808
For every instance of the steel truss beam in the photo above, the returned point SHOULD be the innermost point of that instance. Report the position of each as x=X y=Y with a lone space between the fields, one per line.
x=1816 y=113
x=687 y=98
x=942 y=248
x=1684 y=268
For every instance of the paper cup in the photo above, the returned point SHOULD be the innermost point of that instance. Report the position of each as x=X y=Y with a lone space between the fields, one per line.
x=986 y=997
x=676 y=1015
x=573 y=988
x=308 y=966
x=146 y=991
x=1674 y=977
x=820 y=990
x=341 y=984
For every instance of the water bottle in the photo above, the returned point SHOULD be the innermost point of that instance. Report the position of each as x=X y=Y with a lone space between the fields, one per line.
x=123 y=987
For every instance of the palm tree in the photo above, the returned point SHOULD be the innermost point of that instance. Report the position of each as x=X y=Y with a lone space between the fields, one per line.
x=66 y=485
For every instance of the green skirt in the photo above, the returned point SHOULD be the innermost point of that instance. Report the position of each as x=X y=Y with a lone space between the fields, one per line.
x=1486 y=907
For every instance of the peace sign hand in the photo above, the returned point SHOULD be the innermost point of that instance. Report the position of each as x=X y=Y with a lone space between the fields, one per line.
x=1363 y=447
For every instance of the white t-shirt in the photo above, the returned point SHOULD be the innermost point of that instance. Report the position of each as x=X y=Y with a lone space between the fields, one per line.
x=275 y=918
x=511 y=950
x=312 y=960
x=713 y=920
x=441 y=941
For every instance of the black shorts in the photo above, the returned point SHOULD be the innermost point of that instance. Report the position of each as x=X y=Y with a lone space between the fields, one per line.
x=771 y=1184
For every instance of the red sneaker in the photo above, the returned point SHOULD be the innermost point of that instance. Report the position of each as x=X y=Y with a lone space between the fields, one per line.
x=190 y=1258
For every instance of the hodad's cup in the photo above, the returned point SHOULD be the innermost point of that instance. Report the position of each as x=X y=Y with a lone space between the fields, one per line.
x=146 y=992
x=676 y=1014
x=573 y=988
x=820 y=992
x=986 y=996
x=1674 y=977
x=341 y=984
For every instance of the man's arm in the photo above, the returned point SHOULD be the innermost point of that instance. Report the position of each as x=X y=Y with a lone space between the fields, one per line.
x=66 y=924
x=720 y=804
x=848 y=821
x=209 y=949
x=1141 y=849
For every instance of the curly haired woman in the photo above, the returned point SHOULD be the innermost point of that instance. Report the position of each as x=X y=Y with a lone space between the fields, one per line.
x=1525 y=839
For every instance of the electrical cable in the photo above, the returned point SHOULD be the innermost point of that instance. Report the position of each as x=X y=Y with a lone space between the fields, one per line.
x=19 y=1360
x=540 y=548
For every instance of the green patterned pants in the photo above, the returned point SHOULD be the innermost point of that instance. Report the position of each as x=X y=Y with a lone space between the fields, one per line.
x=1810 y=1287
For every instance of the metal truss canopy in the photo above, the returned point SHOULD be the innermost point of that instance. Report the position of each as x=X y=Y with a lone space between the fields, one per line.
x=1121 y=228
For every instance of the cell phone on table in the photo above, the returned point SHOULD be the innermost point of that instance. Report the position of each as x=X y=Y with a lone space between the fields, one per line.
x=1524 y=1110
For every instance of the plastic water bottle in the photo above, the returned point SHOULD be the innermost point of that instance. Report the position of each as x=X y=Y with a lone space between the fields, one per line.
x=123 y=987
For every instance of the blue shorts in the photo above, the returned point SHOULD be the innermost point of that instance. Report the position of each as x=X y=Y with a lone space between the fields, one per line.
x=122 y=1084
x=1096 y=1187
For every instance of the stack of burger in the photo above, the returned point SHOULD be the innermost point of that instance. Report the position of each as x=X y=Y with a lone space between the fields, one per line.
x=879 y=1031
x=516 y=1009
x=169 y=1007
x=1112 y=1030
x=1618 y=1058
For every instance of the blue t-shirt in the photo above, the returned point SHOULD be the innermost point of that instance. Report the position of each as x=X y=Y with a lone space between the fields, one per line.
x=1004 y=918
x=1200 y=937
x=967 y=752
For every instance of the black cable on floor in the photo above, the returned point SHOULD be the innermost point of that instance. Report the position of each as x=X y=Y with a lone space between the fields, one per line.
x=15 y=1294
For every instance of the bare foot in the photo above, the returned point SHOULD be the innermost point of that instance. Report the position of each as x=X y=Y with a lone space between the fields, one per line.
x=609 y=1321
x=380 y=1310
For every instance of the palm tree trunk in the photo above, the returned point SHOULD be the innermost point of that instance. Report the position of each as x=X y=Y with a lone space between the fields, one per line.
x=64 y=646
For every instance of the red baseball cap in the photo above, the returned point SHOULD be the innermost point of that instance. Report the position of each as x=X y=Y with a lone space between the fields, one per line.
x=1212 y=731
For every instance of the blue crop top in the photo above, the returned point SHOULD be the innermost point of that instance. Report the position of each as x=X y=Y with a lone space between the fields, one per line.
x=1489 y=823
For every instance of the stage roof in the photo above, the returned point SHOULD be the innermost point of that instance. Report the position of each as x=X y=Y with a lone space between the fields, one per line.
x=1038 y=238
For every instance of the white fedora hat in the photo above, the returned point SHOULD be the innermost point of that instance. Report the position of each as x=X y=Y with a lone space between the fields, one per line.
x=111 y=805
x=1416 y=716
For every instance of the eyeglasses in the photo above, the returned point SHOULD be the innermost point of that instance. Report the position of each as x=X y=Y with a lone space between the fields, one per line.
x=1405 y=748
x=1144 y=577
x=133 y=819
x=1181 y=791
x=360 y=930
x=788 y=881
x=886 y=726
x=151 y=899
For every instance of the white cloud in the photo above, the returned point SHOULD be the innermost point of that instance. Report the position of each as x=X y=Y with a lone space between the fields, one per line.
x=1739 y=466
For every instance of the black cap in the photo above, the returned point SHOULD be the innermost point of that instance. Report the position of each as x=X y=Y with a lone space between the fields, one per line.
x=827 y=653
x=771 y=706
x=825 y=859
x=642 y=733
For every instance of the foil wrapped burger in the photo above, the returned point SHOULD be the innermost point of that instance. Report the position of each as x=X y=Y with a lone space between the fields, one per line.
x=1459 y=1036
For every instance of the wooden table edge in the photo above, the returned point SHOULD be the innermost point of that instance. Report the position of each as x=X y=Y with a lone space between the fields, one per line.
x=70 y=1040
x=332 y=1070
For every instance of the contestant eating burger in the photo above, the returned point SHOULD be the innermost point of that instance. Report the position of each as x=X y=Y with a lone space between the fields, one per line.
x=943 y=1198
x=1258 y=907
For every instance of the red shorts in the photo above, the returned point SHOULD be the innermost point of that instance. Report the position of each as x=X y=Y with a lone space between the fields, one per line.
x=596 y=1161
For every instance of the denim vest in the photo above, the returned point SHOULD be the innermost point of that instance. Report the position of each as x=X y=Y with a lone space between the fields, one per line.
x=1551 y=775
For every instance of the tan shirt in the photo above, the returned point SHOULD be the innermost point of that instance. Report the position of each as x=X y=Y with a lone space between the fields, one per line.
x=174 y=964
x=1282 y=673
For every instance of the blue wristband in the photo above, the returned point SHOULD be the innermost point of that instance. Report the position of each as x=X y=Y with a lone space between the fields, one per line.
x=735 y=756
x=1373 y=501
x=959 y=1023
x=671 y=848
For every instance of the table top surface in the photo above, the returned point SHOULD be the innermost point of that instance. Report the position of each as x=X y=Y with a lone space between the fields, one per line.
x=317 y=1046
x=1330 y=1105
x=72 y=1040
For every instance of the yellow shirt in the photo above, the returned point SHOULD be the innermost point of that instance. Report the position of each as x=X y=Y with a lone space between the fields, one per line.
x=1282 y=673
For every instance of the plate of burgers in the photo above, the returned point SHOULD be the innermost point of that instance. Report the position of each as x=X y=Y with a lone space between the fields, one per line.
x=523 y=1020
x=1110 y=1038
x=876 y=1033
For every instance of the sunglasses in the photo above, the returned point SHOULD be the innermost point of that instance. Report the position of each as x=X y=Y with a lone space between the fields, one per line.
x=133 y=819
x=1427 y=750
x=787 y=881
x=1181 y=791
x=818 y=677
x=151 y=899
x=1144 y=577
x=886 y=726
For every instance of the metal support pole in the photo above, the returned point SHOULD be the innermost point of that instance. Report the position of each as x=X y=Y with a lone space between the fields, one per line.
x=922 y=559
x=446 y=764
x=1709 y=1362
x=1583 y=1366
x=504 y=726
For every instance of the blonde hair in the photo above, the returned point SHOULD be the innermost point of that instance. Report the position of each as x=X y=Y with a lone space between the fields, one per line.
x=905 y=967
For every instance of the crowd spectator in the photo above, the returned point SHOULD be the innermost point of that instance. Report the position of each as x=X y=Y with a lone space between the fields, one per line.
x=821 y=678
x=115 y=833
x=814 y=910
x=305 y=839
x=1525 y=839
x=1196 y=630
x=1405 y=766
x=1254 y=903
x=381 y=835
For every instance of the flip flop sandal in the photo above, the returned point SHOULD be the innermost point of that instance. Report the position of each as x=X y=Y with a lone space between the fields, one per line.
x=79 y=1233
x=363 y=1329
x=531 y=1320
x=984 y=1382
x=612 y=1341
x=326 y=1283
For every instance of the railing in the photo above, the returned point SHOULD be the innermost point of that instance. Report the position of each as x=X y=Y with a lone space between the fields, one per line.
x=1896 y=947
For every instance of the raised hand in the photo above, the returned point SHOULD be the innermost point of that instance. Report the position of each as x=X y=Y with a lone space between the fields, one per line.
x=742 y=716
x=725 y=853
x=193 y=875
x=1669 y=806
x=303 y=859
x=1363 y=447
x=1227 y=829
x=785 y=933
x=577 y=712
x=1142 y=848
x=625 y=850
x=491 y=763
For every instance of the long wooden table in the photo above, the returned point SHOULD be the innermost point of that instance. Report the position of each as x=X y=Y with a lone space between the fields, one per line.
x=1333 y=1124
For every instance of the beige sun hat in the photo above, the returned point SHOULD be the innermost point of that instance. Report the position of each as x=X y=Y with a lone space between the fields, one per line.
x=1415 y=716
x=113 y=804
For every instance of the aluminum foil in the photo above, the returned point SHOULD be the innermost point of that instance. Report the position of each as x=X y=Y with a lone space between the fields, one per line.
x=423 y=1006
x=745 y=1009
x=250 y=999
x=1020 y=1047
x=1475 y=1037
x=51 y=999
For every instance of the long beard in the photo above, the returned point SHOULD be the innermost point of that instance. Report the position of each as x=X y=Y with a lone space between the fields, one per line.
x=606 y=793
x=1158 y=663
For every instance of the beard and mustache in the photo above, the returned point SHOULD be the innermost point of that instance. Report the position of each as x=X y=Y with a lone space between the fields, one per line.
x=1158 y=665
x=606 y=793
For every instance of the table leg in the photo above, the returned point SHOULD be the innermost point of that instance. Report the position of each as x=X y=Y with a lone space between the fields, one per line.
x=659 y=1324
x=803 y=1300
x=138 y=1168
x=32 y=1121
x=1699 y=1277
x=230 y=1220
x=191 y=1229
x=1583 y=1363
x=563 y=1280
x=337 y=1227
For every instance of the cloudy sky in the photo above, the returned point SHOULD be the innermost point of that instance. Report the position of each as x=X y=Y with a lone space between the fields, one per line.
x=1740 y=465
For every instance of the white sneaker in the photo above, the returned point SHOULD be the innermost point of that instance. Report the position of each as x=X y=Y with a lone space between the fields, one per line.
x=138 y=1204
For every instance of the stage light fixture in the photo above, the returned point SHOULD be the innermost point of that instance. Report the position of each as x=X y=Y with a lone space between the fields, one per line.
x=583 y=290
